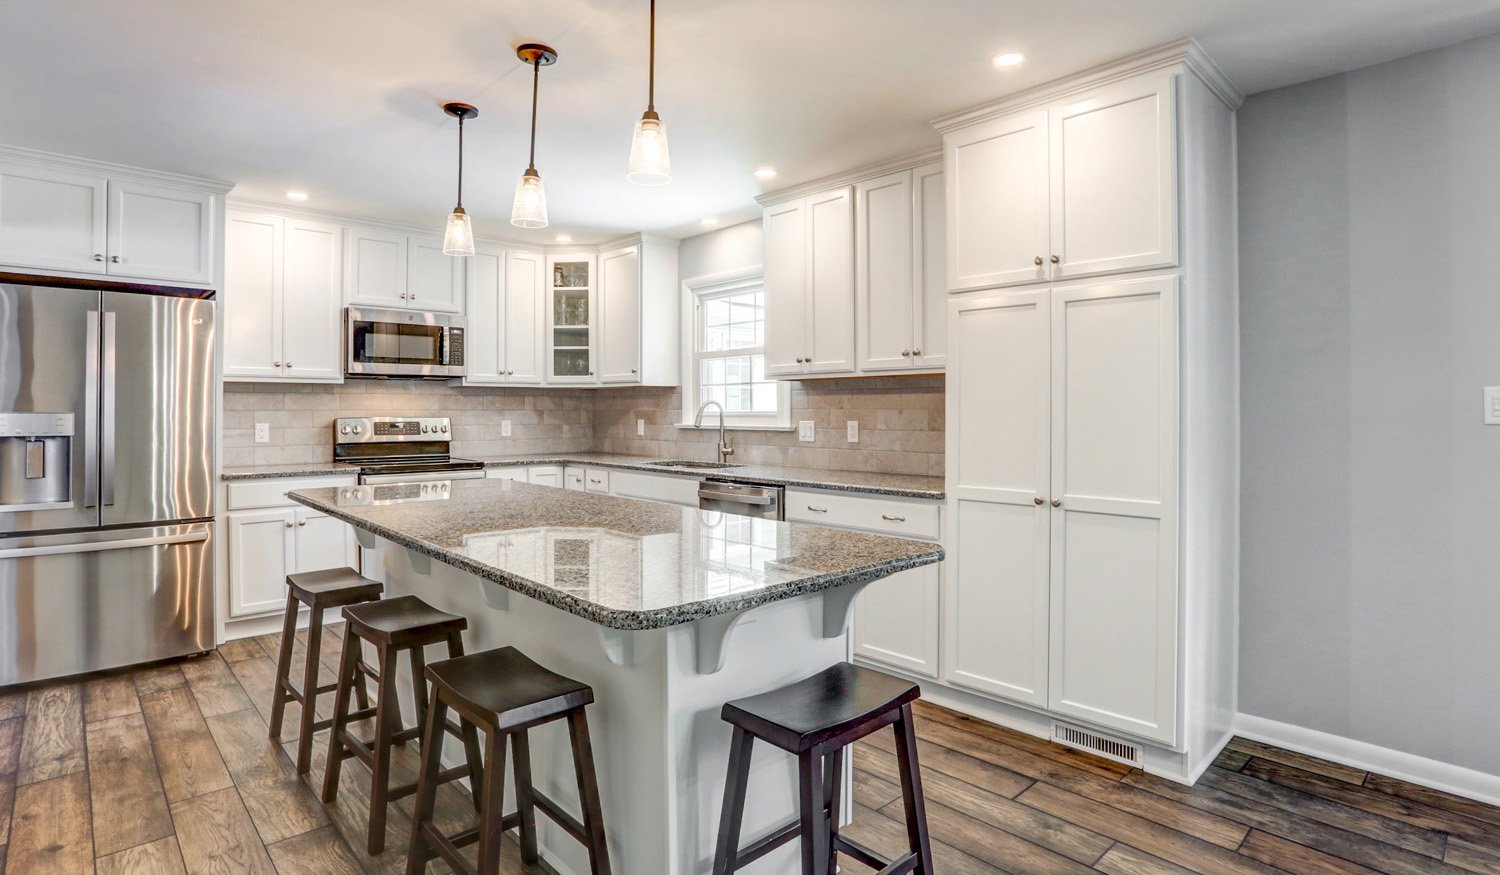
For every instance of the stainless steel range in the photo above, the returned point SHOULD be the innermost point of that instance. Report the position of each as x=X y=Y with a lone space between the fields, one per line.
x=401 y=449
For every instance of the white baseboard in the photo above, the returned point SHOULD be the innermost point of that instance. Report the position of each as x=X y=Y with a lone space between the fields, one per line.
x=1372 y=758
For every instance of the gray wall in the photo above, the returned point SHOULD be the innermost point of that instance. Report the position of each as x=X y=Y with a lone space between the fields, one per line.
x=1370 y=320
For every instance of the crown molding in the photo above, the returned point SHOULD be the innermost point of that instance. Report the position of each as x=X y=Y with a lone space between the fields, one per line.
x=112 y=170
x=849 y=177
x=639 y=237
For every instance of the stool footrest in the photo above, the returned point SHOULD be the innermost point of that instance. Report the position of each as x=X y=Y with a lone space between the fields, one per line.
x=755 y=850
x=865 y=855
x=560 y=817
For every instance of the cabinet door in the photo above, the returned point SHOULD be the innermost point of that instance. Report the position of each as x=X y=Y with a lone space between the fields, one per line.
x=160 y=232
x=484 y=295
x=52 y=219
x=1114 y=472
x=253 y=296
x=930 y=316
x=545 y=475
x=996 y=607
x=525 y=292
x=830 y=255
x=1114 y=179
x=572 y=320
x=896 y=621
x=323 y=542
x=574 y=479
x=312 y=313
x=883 y=275
x=261 y=554
x=620 y=316
x=597 y=480
x=787 y=338
x=434 y=281
x=997 y=202
x=374 y=268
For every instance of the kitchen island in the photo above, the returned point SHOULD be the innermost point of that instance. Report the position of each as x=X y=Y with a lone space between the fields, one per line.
x=667 y=612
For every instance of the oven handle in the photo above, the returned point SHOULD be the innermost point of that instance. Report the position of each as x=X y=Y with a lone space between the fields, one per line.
x=378 y=479
x=760 y=500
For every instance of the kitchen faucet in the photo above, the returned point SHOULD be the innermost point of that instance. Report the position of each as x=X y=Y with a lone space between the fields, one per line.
x=725 y=450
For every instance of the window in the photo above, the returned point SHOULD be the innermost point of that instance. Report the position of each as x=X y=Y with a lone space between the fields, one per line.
x=728 y=356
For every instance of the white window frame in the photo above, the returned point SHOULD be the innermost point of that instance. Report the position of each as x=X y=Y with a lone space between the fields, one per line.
x=693 y=292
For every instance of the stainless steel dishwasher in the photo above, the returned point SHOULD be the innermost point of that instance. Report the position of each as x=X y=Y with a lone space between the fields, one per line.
x=743 y=499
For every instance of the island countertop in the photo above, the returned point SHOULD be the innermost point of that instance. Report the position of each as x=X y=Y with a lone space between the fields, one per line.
x=618 y=562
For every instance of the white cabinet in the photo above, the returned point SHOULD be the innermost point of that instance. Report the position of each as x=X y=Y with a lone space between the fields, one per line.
x=1062 y=423
x=809 y=278
x=504 y=326
x=639 y=313
x=516 y=473
x=270 y=537
x=63 y=219
x=574 y=479
x=393 y=270
x=545 y=475
x=596 y=480
x=900 y=291
x=1084 y=186
x=282 y=288
x=572 y=319
x=669 y=488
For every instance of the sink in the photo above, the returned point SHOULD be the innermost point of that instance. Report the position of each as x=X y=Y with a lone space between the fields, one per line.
x=688 y=463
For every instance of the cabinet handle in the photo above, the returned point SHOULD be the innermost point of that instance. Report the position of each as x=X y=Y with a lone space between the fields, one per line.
x=892 y=518
x=1039 y=501
x=1055 y=259
x=98 y=257
x=595 y=482
x=1037 y=261
x=1057 y=502
x=816 y=509
x=115 y=259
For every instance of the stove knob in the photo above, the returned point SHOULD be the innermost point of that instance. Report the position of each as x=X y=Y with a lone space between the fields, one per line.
x=343 y=429
x=445 y=429
x=424 y=429
x=357 y=429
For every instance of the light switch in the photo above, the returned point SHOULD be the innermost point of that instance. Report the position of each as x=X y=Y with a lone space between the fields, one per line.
x=853 y=431
x=640 y=428
x=505 y=428
x=1492 y=405
x=805 y=431
x=263 y=432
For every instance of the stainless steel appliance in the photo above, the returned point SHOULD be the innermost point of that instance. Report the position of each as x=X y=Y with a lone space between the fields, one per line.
x=401 y=449
x=106 y=465
x=742 y=499
x=403 y=343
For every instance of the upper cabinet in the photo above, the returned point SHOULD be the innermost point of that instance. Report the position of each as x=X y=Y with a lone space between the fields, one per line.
x=572 y=319
x=283 y=279
x=1083 y=186
x=900 y=291
x=70 y=220
x=393 y=270
x=809 y=280
x=504 y=316
x=639 y=313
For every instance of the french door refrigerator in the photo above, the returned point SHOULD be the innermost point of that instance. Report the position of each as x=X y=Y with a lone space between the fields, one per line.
x=106 y=463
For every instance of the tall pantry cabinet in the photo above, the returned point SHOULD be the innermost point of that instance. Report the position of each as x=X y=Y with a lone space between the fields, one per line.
x=1092 y=435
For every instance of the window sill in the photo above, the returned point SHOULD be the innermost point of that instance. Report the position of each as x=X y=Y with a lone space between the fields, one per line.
x=732 y=427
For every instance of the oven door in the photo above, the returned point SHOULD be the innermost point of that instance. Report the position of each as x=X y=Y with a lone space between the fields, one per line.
x=398 y=343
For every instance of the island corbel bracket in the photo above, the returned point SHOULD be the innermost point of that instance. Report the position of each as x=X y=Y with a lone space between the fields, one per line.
x=619 y=646
x=709 y=637
x=421 y=563
x=838 y=608
x=366 y=539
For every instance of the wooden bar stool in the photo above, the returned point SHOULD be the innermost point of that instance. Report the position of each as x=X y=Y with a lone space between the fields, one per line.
x=391 y=626
x=320 y=591
x=506 y=694
x=816 y=719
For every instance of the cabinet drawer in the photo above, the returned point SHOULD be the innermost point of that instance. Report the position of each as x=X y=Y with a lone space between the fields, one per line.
x=510 y=473
x=596 y=480
x=902 y=517
x=272 y=493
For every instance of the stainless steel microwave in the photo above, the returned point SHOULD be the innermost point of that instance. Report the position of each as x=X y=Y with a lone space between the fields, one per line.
x=402 y=343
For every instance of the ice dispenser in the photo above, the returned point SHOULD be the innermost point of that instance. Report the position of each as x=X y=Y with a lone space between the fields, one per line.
x=36 y=450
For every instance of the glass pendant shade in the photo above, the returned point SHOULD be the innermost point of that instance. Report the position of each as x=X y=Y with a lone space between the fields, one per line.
x=530 y=207
x=459 y=238
x=650 y=160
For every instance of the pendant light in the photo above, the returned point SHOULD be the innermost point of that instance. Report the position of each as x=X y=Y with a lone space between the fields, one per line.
x=650 y=162
x=459 y=238
x=530 y=207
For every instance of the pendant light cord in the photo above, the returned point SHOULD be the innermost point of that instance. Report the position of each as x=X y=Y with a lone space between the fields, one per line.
x=536 y=82
x=651 y=76
x=460 y=162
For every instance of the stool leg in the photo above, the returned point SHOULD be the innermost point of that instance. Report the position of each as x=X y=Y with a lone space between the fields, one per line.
x=309 y=692
x=419 y=684
x=361 y=690
x=348 y=671
x=525 y=796
x=470 y=735
x=726 y=859
x=386 y=717
x=833 y=791
x=911 y=790
x=810 y=804
x=588 y=791
x=418 y=851
x=283 y=666
x=492 y=808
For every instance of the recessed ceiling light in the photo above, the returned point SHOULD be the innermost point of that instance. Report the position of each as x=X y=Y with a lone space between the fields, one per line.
x=564 y=238
x=297 y=195
x=709 y=223
x=765 y=173
x=1005 y=60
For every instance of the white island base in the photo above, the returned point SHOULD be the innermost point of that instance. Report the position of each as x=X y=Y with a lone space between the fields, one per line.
x=660 y=748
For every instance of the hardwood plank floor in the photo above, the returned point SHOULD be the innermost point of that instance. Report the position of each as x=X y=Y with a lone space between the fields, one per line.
x=168 y=769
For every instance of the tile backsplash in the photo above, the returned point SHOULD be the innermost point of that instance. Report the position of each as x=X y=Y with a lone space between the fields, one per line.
x=900 y=422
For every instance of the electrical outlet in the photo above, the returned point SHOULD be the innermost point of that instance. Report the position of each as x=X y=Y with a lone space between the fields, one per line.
x=505 y=428
x=263 y=432
x=640 y=428
x=853 y=431
x=805 y=431
x=1492 y=405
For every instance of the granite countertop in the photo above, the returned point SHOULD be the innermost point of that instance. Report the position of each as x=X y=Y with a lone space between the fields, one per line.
x=589 y=554
x=867 y=482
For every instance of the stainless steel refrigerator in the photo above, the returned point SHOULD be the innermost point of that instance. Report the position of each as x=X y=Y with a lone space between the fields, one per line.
x=106 y=466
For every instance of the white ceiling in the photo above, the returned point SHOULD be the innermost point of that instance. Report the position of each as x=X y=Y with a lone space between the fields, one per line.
x=341 y=97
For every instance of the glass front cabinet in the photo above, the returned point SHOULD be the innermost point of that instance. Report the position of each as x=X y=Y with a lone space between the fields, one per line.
x=572 y=336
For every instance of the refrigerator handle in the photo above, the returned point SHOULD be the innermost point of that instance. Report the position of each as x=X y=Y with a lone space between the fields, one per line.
x=91 y=411
x=104 y=546
x=107 y=416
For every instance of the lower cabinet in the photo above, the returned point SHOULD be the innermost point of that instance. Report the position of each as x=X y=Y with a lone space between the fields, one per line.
x=270 y=537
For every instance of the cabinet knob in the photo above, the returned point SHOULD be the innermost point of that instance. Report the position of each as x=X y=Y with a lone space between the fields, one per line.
x=288 y=364
x=906 y=352
x=289 y=524
x=1057 y=502
x=1037 y=261
x=275 y=364
x=98 y=256
x=301 y=522
x=1055 y=259
x=591 y=373
x=633 y=370
x=916 y=352
x=1039 y=501
x=115 y=259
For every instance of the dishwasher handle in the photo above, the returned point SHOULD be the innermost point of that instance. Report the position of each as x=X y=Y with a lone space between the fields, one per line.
x=758 y=498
